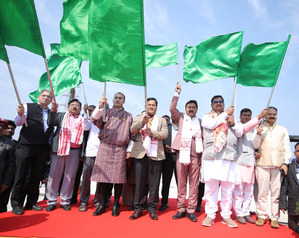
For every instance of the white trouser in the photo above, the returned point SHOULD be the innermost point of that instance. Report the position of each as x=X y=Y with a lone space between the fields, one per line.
x=211 y=198
x=242 y=196
x=268 y=179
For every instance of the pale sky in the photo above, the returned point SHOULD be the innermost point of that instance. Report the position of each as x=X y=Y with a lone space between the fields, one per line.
x=187 y=22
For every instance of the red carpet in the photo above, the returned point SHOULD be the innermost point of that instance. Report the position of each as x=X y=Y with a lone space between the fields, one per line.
x=59 y=223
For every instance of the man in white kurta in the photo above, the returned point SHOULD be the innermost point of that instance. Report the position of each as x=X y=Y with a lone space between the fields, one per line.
x=219 y=166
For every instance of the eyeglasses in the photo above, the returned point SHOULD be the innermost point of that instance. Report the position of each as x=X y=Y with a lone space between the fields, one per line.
x=215 y=102
x=3 y=126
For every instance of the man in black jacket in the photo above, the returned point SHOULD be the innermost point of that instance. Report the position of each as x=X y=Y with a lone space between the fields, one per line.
x=7 y=164
x=32 y=151
x=289 y=192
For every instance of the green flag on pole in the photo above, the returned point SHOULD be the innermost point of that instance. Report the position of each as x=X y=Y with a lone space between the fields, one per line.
x=65 y=74
x=116 y=41
x=19 y=26
x=74 y=29
x=215 y=58
x=157 y=56
x=3 y=53
x=260 y=64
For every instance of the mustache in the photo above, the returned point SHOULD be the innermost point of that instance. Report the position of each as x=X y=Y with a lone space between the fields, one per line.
x=191 y=111
x=271 y=117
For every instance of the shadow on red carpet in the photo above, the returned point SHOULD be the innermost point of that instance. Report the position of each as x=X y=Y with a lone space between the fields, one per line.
x=60 y=223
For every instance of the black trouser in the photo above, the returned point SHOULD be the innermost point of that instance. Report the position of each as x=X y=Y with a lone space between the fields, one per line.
x=4 y=197
x=293 y=223
x=26 y=156
x=77 y=183
x=142 y=168
x=104 y=189
x=168 y=168
x=201 y=192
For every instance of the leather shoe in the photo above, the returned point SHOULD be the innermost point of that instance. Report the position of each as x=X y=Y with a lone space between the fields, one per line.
x=99 y=211
x=153 y=216
x=17 y=211
x=163 y=207
x=192 y=217
x=66 y=207
x=36 y=208
x=179 y=215
x=135 y=215
x=131 y=208
x=115 y=211
x=50 y=208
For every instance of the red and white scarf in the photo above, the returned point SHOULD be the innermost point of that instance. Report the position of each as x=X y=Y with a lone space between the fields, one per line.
x=219 y=134
x=66 y=136
x=150 y=145
x=191 y=128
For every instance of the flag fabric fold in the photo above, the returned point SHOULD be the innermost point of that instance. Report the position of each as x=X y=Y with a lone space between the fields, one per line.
x=116 y=41
x=161 y=55
x=65 y=74
x=74 y=29
x=260 y=64
x=215 y=58
x=19 y=26
x=3 y=53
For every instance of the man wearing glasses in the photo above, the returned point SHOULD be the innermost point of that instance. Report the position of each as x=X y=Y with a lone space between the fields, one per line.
x=32 y=150
x=7 y=164
x=219 y=166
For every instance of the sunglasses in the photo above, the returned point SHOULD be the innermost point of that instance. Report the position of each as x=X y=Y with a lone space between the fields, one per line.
x=216 y=102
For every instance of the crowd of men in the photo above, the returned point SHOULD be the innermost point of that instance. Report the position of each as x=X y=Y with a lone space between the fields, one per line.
x=214 y=154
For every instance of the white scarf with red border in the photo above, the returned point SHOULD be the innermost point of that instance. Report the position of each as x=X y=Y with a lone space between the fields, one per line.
x=191 y=128
x=66 y=136
x=150 y=145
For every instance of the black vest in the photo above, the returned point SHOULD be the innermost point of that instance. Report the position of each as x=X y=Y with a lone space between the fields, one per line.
x=34 y=134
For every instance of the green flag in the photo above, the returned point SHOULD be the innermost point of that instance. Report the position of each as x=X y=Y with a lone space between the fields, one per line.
x=74 y=29
x=3 y=53
x=19 y=26
x=161 y=55
x=65 y=74
x=215 y=58
x=260 y=64
x=116 y=41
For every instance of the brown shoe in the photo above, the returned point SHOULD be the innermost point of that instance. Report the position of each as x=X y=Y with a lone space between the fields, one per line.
x=135 y=215
x=260 y=221
x=241 y=220
x=274 y=224
x=153 y=216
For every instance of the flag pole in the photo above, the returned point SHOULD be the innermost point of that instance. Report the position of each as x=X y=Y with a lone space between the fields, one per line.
x=49 y=77
x=270 y=96
x=177 y=70
x=16 y=90
x=104 y=108
x=234 y=93
x=84 y=96
x=145 y=97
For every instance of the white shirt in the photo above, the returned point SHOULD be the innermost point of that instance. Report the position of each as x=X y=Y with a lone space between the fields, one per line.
x=93 y=141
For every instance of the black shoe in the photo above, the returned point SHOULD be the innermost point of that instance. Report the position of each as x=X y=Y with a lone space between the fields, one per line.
x=66 y=207
x=115 y=211
x=153 y=216
x=163 y=207
x=17 y=211
x=50 y=208
x=36 y=208
x=179 y=215
x=192 y=217
x=197 y=209
x=135 y=215
x=107 y=205
x=100 y=210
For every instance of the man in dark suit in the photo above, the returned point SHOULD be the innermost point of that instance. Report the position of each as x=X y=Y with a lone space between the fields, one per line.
x=169 y=164
x=289 y=192
x=32 y=151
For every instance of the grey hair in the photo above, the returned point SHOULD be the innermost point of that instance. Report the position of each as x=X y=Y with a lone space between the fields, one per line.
x=46 y=90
